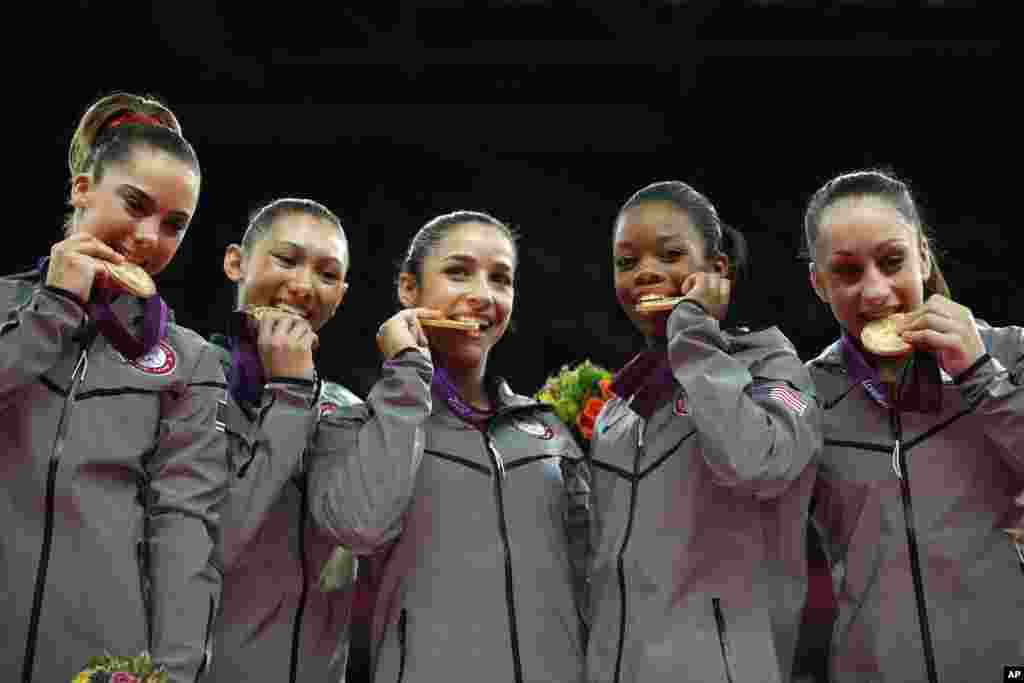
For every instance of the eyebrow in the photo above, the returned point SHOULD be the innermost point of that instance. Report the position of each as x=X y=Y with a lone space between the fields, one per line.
x=896 y=241
x=659 y=240
x=150 y=202
x=466 y=258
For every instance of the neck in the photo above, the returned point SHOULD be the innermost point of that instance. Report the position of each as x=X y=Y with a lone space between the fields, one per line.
x=469 y=382
x=656 y=342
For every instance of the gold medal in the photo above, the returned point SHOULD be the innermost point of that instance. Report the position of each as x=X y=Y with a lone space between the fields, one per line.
x=131 y=278
x=880 y=337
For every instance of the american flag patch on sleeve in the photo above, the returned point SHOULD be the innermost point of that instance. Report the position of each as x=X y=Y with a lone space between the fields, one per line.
x=781 y=392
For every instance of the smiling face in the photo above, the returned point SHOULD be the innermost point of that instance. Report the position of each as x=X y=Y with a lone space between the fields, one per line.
x=141 y=207
x=655 y=248
x=300 y=265
x=468 y=275
x=869 y=262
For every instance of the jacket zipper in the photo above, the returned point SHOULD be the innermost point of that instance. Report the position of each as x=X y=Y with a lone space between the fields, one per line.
x=498 y=476
x=401 y=643
x=303 y=593
x=207 y=641
x=59 y=442
x=723 y=639
x=634 y=485
x=899 y=464
x=146 y=497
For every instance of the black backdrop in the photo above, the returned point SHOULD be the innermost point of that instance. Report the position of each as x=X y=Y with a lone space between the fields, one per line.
x=548 y=115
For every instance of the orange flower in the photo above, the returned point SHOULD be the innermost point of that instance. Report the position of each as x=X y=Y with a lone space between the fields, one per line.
x=585 y=420
x=606 y=388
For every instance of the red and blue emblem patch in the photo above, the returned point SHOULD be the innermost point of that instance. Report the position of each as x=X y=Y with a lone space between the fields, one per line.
x=160 y=361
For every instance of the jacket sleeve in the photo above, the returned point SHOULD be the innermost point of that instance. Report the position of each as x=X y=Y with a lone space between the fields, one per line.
x=997 y=393
x=756 y=433
x=187 y=481
x=363 y=472
x=263 y=454
x=33 y=333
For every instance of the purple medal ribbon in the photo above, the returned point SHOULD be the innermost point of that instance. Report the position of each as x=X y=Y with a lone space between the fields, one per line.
x=646 y=382
x=155 y=316
x=861 y=372
x=154 y=325
x=920 y=391
x=858 y=368
x=443 y=389
x=247 y=376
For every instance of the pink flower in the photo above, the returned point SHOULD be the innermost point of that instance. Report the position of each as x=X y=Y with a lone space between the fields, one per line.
x=122 y=677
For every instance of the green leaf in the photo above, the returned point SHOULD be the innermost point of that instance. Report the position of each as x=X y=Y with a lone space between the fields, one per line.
x=566 y=409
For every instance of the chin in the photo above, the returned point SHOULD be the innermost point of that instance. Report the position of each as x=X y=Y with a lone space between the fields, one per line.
x=462 y=358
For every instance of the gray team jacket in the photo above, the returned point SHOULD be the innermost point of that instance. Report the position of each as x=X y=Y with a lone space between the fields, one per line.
x=700 y=510
x=966 y=464
x=276 y=613
x=478 y=585
x=124 y=524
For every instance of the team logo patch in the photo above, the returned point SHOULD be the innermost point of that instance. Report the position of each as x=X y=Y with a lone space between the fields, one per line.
x=160 y=361
x=533 y=428
x=679 y=408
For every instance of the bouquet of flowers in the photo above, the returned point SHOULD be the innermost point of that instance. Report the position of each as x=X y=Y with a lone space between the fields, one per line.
x=577 y=395
x=110 y=669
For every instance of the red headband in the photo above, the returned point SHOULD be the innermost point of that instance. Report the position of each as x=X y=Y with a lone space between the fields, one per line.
x=133 y=117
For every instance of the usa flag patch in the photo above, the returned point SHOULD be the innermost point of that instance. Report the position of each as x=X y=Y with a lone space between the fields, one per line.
x=783 y=393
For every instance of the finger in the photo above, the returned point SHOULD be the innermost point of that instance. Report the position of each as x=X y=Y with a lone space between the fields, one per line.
x=933 y=340
x=99 y=252
x=421 y=336
x=90 y=246
x=426 y=313
x=294 y=326
x=268 y=323
x=931 y=320
x=102 y=279
x=940 y=301
x=305 y=337
x=939 y=305
x=689 y=283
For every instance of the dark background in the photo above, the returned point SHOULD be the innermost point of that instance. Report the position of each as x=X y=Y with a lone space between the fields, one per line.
x=548 y=115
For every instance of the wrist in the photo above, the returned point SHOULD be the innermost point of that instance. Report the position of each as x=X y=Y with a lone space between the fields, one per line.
x=279 y=365
x=67 y=294
x=701 y=307
x=972 y=369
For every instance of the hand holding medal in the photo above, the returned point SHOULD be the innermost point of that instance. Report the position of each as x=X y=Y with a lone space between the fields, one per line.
x=284 y=338
x=82 y=261
x=940 y=326
x=405 y=330
x=710 y=291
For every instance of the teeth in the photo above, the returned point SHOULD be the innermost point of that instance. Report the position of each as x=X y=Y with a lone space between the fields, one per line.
x=650 y=297
x=291 y=309
x=470 y=319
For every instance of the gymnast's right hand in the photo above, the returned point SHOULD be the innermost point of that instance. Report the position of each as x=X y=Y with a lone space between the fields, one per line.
x=403 y=331
x=75 y=264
